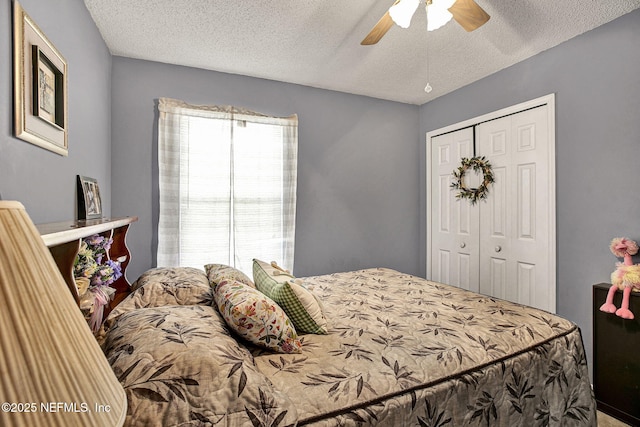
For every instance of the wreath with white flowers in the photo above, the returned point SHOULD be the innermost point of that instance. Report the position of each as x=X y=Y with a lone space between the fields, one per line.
x=477 y=164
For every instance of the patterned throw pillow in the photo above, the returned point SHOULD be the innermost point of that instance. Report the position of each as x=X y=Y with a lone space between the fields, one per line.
x=171 y=276
x=216 y=273
x=255 y=317
x=164 y=286
x=302 y=306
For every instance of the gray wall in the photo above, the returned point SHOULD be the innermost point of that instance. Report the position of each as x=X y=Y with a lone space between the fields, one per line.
x=358 y=165
x=42 y=180
x=596 y=79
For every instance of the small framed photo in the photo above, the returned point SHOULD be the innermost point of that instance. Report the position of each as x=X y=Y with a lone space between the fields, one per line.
x=89 y=200
x=39 y=86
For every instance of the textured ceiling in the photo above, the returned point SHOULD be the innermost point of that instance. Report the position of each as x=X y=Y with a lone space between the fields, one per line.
x=317 y=42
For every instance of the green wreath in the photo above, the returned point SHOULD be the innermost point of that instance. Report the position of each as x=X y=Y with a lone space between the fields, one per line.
x=478 y=164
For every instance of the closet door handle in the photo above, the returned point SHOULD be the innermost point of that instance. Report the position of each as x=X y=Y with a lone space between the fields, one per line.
x=498 y=248
x=463 y=245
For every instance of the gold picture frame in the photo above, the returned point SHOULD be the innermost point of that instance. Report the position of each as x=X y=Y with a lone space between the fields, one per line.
x=40 y=86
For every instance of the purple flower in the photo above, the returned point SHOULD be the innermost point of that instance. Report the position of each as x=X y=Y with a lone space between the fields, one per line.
x=98 y=244
x=95 y=240
x=106 y=274
x=117 y=271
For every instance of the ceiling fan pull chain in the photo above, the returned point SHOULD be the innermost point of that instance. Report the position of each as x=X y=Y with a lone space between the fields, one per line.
x=428 y=87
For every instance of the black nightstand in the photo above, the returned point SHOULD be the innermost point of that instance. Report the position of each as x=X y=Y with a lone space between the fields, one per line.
x=616 y=357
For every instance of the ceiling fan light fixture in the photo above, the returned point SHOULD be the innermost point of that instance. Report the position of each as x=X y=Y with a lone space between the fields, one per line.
x=438 y=13
x=403 y=11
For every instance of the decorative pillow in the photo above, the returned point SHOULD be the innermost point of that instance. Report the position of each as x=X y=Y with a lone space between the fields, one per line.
x=216 y=273
x=171 y=275
x=255 y=317
x=302 y=306
x=164 y=286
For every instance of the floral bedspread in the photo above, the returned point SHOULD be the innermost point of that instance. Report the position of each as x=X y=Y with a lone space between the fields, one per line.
x=401 y=351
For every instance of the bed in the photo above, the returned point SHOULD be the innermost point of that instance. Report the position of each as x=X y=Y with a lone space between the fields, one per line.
x=396 y=350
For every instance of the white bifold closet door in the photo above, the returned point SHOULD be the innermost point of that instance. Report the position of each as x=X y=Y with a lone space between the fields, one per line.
x=503 y=246
x=455 y=225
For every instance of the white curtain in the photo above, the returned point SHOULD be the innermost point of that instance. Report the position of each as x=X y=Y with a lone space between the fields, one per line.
x=227 y=181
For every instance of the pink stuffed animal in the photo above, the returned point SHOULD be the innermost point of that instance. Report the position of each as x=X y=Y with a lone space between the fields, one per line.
x=626 y=277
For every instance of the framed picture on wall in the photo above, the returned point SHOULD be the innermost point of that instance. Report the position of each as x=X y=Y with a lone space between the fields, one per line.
x=39 y=86
x=89 y=200
x=48 y=88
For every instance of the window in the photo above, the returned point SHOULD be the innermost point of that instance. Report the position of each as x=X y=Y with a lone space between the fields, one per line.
x=227 y=186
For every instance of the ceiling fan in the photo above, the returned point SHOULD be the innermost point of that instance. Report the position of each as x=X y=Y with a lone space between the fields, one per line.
x=466 y=12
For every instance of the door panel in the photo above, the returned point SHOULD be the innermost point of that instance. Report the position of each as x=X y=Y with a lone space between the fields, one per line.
x=498 y=275
x=443 y=266
x=526 y=201
x=513 y=225
x=444 y=219
x=526 y=282
x=455 y=240
x=494 y=207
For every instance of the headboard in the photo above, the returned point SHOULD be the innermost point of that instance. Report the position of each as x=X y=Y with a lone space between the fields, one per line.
x=64 y=239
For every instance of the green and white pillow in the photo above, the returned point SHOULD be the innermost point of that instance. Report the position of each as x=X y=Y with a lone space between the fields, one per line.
x=302 y=306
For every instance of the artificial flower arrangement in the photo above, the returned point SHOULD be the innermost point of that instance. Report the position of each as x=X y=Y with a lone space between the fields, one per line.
x=94 y=272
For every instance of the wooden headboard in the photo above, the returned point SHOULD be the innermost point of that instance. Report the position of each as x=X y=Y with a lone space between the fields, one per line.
x=64 y=238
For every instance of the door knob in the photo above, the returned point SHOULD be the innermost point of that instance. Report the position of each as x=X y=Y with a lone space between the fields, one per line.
x=463 y=245
x=498 y=248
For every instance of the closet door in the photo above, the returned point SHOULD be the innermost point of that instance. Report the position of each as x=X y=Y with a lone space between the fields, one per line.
x=515 y=219
x=454 y=224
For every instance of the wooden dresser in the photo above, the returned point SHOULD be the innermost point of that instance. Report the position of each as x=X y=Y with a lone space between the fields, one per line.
x=616 y=357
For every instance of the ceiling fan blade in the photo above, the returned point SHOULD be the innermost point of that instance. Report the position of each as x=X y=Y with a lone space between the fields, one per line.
x=380 y=29
x=468 y=14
